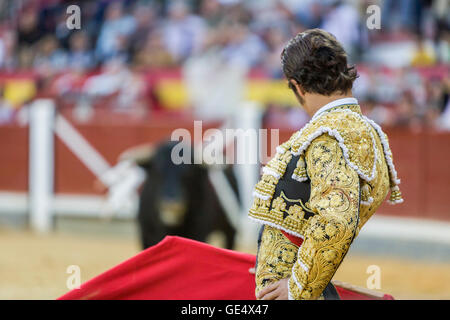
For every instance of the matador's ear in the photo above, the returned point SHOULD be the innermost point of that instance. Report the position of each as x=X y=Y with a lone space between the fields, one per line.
x=294 y=85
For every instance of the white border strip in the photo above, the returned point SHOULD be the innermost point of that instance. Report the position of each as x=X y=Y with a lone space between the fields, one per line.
x=410 y=229
x=271 y=172
x=276 y=226
x=386 y=149
x=75 y=205
x=82 y=149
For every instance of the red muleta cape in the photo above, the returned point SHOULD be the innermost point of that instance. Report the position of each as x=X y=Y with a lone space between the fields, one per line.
x=180 y=269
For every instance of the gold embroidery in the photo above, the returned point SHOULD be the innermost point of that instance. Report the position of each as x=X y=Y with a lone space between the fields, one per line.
x=335 y=198
x=275 y=258
x=261 y=206
x=266 y=186
x=355 y=133
x=303 y=206
x=296 y=212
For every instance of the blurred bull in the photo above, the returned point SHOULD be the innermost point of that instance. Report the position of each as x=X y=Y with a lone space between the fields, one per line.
x=179 y=199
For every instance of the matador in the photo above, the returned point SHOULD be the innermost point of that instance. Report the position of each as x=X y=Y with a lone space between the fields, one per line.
x=325 y=182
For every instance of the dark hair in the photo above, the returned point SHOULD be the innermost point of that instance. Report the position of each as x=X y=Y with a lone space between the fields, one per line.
x=318 y=63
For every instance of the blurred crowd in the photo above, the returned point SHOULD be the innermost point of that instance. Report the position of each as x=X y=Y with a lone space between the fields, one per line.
x=119 y=40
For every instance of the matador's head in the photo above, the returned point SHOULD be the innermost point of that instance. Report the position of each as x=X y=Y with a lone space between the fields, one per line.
x=315 y=62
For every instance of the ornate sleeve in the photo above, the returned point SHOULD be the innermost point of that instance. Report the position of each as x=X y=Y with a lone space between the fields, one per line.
x=335 y=200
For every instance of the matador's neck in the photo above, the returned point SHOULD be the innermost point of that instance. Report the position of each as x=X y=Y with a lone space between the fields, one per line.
x=349 y=102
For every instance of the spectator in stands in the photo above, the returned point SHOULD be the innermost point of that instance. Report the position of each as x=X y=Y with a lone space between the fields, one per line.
x=91 y=21
x=377 y=112
x=243 y=47
x=444 y=120
x=49 y=57
x=112 y=40
x=434 y=102
x=342 y=20
x=310 y=14
x=402 y=15
x=146 y=21
x=80 y=56
x=183 y=32
x=443 y=46
x=28 y=31
x=153 y=54
x=28 y=35
x=276 y=40
x=406 y=115
x=7 y=50
x=212 y=12
x=61 y=32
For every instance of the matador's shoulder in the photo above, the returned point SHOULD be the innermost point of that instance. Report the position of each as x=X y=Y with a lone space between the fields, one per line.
x=352 y=132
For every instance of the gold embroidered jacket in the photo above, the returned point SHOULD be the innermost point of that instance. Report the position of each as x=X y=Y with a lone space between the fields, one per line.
x=322 y=185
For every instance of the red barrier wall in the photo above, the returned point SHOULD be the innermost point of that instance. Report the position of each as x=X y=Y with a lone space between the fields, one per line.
x=421 y=159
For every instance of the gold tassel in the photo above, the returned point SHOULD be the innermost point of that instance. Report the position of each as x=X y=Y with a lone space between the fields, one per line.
x=396 y=195
x=365 y=194
x=300 y=170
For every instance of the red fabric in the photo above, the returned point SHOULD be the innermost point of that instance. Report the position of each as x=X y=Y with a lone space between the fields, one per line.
x=180 y=269
x=175 y=269
x=346 y=294
x=295 y=240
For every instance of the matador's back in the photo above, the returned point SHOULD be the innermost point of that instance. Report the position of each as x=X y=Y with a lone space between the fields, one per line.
x=317 y=192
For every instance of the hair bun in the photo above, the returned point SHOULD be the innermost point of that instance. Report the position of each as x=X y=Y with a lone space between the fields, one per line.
x=318 y=63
